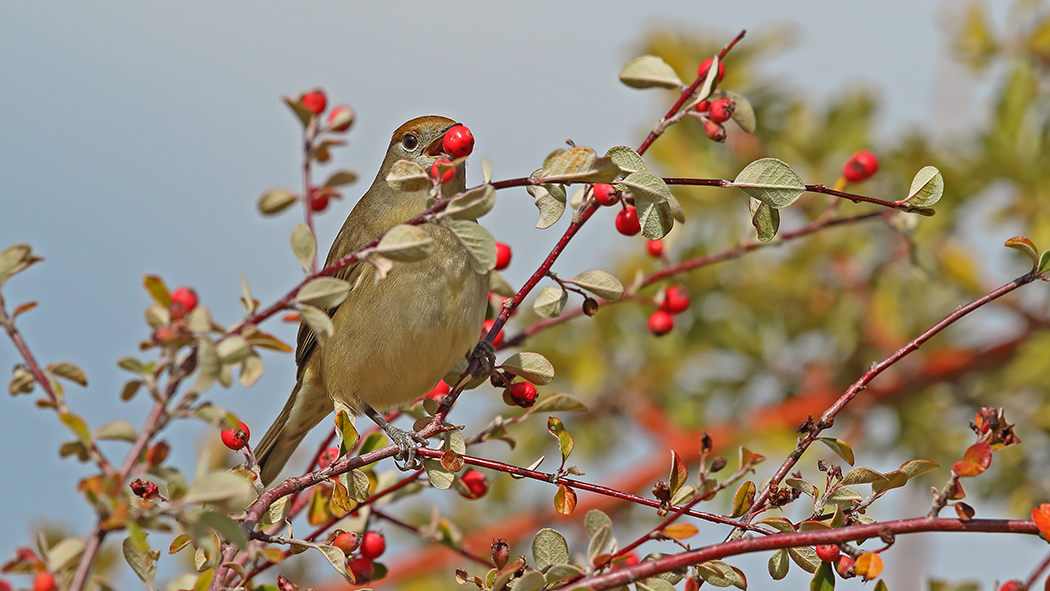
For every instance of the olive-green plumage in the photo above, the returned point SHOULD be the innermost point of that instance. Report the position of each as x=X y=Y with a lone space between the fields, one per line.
x=394 y=338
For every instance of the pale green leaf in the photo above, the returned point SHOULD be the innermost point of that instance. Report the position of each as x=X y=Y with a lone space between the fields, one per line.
x=649 y=71
x=926 y=188
x=600 y=283
x=304 y=245
x=408 y=176
x=550 y=302
x=276 y=200
x=478 y=242
x=530 y=366
x=549 y=547
x=323 y=292
x=771 y=181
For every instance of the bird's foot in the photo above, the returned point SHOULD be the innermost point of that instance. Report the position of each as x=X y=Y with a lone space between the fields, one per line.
x=485 y=353
x=407 y=443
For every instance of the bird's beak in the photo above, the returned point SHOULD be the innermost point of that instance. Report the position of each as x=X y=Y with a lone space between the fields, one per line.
x=436 y=148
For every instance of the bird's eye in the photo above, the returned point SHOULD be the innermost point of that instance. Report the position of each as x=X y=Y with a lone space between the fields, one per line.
x=409 y=141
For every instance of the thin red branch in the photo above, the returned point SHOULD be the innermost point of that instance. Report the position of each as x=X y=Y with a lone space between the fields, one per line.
x=854 y=197
x=478 y=559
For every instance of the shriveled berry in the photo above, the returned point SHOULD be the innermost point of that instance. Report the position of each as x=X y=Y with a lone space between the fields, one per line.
x=347 y=541
x=860 y=167
x=476 y=483
x=500 y=552
x=722 y=110
x=627 y=221
x=715 y=131
x=315 y=101
x=661 y=323
x=502 y=256
x=458 y=141
x=442 y=177
x=675 y=300
x=341 y=118
x=144 y=489
x=235 y=438
x=655 y=248
x=827 y=552
x=373 y=545
x=327 y=457
x=706 y=65
x=605 y=194
x=521 y=394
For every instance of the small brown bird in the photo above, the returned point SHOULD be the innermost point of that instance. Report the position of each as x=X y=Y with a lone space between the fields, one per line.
x=394 y=338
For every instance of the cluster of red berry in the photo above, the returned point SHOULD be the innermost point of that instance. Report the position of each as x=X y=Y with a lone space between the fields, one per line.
x=458 y=142
x=340 y=119
x=369 y=547
x=714 y=113
x=674 y=300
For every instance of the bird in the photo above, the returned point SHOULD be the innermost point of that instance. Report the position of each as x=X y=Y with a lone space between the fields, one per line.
x=396 y=337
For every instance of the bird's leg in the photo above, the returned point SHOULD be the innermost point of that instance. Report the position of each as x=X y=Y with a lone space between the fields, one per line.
x=485 y=353
x=406 y=441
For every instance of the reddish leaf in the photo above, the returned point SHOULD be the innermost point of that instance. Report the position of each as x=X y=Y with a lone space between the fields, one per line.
x=565 y=500
x=680 y=531
x=975 y=461
x=1041 y=517
x=679 y=472
x=964 y=511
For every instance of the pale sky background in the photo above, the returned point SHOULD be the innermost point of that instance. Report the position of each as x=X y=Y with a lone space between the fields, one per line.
x=136 y=137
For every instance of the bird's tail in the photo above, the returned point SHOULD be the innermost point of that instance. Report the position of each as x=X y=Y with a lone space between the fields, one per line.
x=305 y=408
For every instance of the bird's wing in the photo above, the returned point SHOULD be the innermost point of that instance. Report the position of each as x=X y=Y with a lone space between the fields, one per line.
x=306 y=342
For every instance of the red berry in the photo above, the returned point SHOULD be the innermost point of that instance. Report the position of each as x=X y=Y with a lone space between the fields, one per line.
x=656 y=248
x=327 y=457
x=630 y=559
x=373 y=545
x=319 y=202
x=235 y=438
x=661 y=323
x=341 y=118
x=605 y=194
x=627 y=221
x=722 y=110
x=347 y=541
x=702 y=106
x=442 y=177
x=715 y=131
x=502 y=256
x=675 y=300
x=362 y=568
x=185 y=297
x=315 y=101
x=846 y=567
x=439 y=391
x=827 y=552
x=486 y=327
x=706 y=65
x=1014 y=585
x=475 y=483
x=4 y=585
x=44 y=581
x=521 y=394
x=458 y=141
x=861 y=166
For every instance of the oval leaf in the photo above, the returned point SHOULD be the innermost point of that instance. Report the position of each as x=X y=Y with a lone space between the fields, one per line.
x=926 y=188
x=550 y=302
x=406 y=244
x=304 y=245
x=407 y=176
x=771 y=181
x=530 y=366
x=478 y=242
x=649 y=71
x=276 y=200
x=600 y=283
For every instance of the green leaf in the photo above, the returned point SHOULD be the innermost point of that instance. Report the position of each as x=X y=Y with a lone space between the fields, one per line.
x=118 y=429
x=595 y=520
x=208 y=365
x=656 y=219
x=823 y=579
x=805 y=557
x=550 y=302
x=22 y=380
x=408 y=176
x=471 y=204
x=562 y=572
x=744 y=498
x=550 y=200
x=914 y=468
x=764 y=218
x=645 y=185
x=323 y=292
x=304 y=245
x=478 y=242
x=139 y=556
x=14 y=259
x=406 y=243
x=318 y=321
x=580 y=164
x=276 y=200
x=439 y=476
x=359 y=485
x=565 y=440
x=599 y=541
x=157 y=290
x=220 y=487
x=1026 y=246
x=344 y=423
x=530 y=366
x=340 y=178
x=926 y=188
x=721 y=574
x=233 y=349
x=62 y=554
x=549 y=547
x=64 y=369
x=844 y=497
x=530 y=581
x=558 y=403
x=771 y=181
x=627 y=159
x=1044 y=262
x=337 y=559
x=779 y=564
x=78 y=427
x=862 y=475
x=600 y=283
x=649 y=71
x=840 y=447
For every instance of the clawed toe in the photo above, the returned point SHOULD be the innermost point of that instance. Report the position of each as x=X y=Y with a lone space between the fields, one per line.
x=485 y=353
